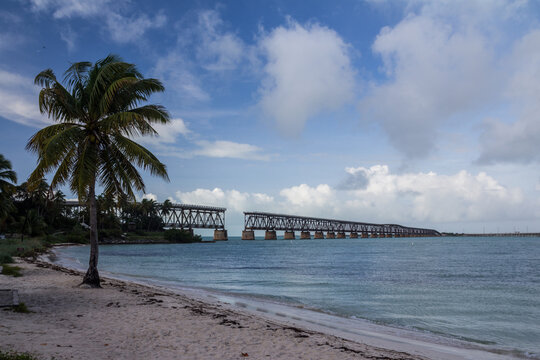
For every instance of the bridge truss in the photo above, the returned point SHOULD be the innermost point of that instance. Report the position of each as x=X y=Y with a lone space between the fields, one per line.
x=273 y=222
x=192 y=216
x=181 y=216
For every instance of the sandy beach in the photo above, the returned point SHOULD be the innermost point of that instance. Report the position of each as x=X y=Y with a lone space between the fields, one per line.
x=130 y=321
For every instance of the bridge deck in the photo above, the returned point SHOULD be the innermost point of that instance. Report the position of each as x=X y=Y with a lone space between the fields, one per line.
x=270 y=221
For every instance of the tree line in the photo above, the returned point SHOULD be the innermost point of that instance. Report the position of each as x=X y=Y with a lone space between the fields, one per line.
x=38 y=211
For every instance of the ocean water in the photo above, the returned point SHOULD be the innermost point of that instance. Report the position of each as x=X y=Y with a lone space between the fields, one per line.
x=480 y=290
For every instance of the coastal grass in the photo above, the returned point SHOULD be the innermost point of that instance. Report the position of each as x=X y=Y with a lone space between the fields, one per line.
x=15 y=247
x=31 y=247
x=9 y=270
x=10 y=355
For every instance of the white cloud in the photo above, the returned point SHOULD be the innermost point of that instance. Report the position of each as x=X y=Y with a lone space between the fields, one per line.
x=150 y=196
x=69 y=37
x=306 y=197
x=428 y=197
x=229 y=149
x=218 y=50
x=19 y=99
x=122 y=29
x=504 y=140
x=168 y=133
x=70 y=8
x=125 y=30
x=231 y=199
x=178 y=75
x=308 y=71
x=213 y=47
x=436 y=70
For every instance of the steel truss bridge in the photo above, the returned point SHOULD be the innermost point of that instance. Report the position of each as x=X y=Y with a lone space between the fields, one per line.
x=182 y=216
x=290 y=224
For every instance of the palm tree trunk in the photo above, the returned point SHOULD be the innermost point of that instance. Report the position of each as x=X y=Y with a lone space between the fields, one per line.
x=92 y=276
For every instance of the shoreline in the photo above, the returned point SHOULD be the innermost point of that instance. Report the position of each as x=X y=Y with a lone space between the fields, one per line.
x=363 y=342
x=125 y=320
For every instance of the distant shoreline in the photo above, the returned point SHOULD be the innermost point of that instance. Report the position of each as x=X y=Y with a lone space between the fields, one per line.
x=514 y=234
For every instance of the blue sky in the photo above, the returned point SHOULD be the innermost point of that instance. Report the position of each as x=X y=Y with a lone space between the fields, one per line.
x=413 y=112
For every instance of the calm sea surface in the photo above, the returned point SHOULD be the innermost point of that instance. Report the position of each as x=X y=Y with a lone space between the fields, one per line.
x=483 y=290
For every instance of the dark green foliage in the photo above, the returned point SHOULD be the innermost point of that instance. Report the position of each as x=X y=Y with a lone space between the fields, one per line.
x=14 y=271
x=181 y=236
x=77 y=235
x=21 y=308
x=16 y=356
x=6 y=259
x=110 y=234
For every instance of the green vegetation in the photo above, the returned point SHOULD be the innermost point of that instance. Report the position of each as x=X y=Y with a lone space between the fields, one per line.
x=16 y=356
x=32 y=247
x=95 y=116
x=21 y=308
x=5 y=258
x=181 y=236
x=14 y=271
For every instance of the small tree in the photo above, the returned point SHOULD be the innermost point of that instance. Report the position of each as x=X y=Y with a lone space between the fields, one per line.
x=96 y=115
x=8 y=178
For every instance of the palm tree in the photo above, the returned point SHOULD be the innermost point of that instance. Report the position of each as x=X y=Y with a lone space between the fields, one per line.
x=7 y=178
x=96 y=115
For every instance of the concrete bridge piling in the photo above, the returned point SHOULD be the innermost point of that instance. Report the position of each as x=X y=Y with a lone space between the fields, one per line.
x=220 y=235
x=248 y=235
x=305 y=235
x=288 y=235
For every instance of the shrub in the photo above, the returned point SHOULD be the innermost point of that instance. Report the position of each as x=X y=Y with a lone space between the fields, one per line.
x=110 y=234
x=51 y=239
x=6 y=259
x=181 y=236
x=14 y=271
x=21 y=308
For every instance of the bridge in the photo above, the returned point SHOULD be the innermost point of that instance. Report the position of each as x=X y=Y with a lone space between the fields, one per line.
x=182 y=216
x=333 y=228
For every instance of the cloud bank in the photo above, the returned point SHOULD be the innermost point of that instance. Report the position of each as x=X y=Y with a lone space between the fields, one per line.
x=424 y=199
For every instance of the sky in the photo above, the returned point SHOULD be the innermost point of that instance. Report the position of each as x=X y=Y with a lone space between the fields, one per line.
x=420 y=113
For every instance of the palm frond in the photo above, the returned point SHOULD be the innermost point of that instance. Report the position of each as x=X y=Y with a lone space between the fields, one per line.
x=128 y=123
x=45 y=78
x=63 y=172
x=141 y=156
x=58 y=103
x=85 y=168
x=76 y=77
x=38 y=141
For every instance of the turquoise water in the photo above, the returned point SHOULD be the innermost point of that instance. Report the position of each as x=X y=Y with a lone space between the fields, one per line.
x=483 y=290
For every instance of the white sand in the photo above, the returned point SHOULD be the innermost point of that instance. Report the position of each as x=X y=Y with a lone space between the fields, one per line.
x=129 y=321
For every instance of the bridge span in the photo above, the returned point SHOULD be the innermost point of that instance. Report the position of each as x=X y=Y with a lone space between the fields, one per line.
x=271 y=223
x=181 y=216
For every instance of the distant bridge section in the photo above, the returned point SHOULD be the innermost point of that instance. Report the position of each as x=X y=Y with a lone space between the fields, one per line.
x=333 y=228
x=183 y=216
